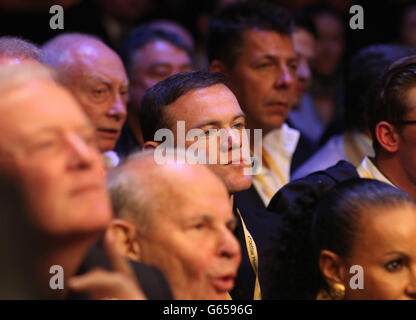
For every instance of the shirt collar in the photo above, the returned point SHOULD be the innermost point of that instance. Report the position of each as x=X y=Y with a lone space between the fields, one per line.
x=368 y=170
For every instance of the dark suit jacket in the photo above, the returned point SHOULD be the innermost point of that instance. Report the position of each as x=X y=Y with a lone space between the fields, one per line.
x=262 y=226
x=323 y=180
x=152 y=281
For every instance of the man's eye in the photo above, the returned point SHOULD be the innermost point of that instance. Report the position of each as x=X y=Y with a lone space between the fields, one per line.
x=100 y=93
x=199 y=226
x=394 y=265
x=46 y=144
x=293 y=66
x=208 y=132
x=264 y=66
x=239 y=126
x=160 y=73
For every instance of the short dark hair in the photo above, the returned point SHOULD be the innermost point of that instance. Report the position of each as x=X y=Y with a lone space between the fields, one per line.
x=226 y=28
x=143 y=35
x=365 y=68
x=303 y=20
x=167 y=91
x=389 y=99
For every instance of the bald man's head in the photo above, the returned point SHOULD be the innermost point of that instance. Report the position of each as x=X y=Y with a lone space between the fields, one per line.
x=136 y=184
x=177 y=217
x=94 y=73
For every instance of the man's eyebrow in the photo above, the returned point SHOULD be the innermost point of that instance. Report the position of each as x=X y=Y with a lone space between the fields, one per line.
x=267 y=56
x=218 y=123
x=205 y=217
x=275 y=59
x=105 y=81
x=53 y=129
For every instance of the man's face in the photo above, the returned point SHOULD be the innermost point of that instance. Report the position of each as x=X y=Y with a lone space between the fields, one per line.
x=153 y=63
x=407 y=142
x=329 y=45
x=386 y=250
x=263 y=78
x=304 y=44
x=50 y=144
x=192 y=242
x=216 y=107
x=99 y=82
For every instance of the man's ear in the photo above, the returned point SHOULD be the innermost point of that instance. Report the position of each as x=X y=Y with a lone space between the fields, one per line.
x=218 y=66
x=150 y=145
x=125 y=237
x=332 y=268
x=387 y=136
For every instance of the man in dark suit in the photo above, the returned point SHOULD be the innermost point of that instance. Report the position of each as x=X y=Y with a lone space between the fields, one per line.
x=203 y=101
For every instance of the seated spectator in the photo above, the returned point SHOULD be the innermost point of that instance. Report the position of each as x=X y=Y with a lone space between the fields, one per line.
x=364 y=223
x=203 y=101
x=49 y=145
x=150 y=55
x=177 y=217
x=355 y=143
x=252 y=46
x=96 y=77
x=327 y=89
x=303 y=115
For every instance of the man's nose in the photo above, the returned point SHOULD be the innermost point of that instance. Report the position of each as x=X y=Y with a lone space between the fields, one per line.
x=118 y=108
x=303 y=73
x=81 y=154
x=228 y=245
x=233 y=140
x=284 y=78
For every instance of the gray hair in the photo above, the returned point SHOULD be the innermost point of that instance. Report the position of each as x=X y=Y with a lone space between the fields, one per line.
x=59 y=53
x=132 y=195
x=12 y=47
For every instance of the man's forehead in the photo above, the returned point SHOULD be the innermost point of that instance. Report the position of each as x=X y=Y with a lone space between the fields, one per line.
x=40 y=104
x=267 y=42
x=102 y=65
x=206 y=102
x=156 y=52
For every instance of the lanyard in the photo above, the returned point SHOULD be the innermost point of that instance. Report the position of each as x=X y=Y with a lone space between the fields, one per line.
x=253 y=256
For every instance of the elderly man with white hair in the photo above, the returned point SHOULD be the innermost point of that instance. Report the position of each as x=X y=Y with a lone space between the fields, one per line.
x=49 y=145
x=95 y=75
x=178 y=217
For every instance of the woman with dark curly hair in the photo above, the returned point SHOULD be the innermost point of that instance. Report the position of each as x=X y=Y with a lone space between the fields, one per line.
x=360 y=222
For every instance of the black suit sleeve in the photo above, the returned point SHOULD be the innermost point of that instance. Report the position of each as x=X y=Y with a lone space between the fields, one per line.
x=151 y=279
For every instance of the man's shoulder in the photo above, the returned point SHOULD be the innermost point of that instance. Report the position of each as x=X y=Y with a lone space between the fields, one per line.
x=151 y=279
x=328 y=155
x=317 y=182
